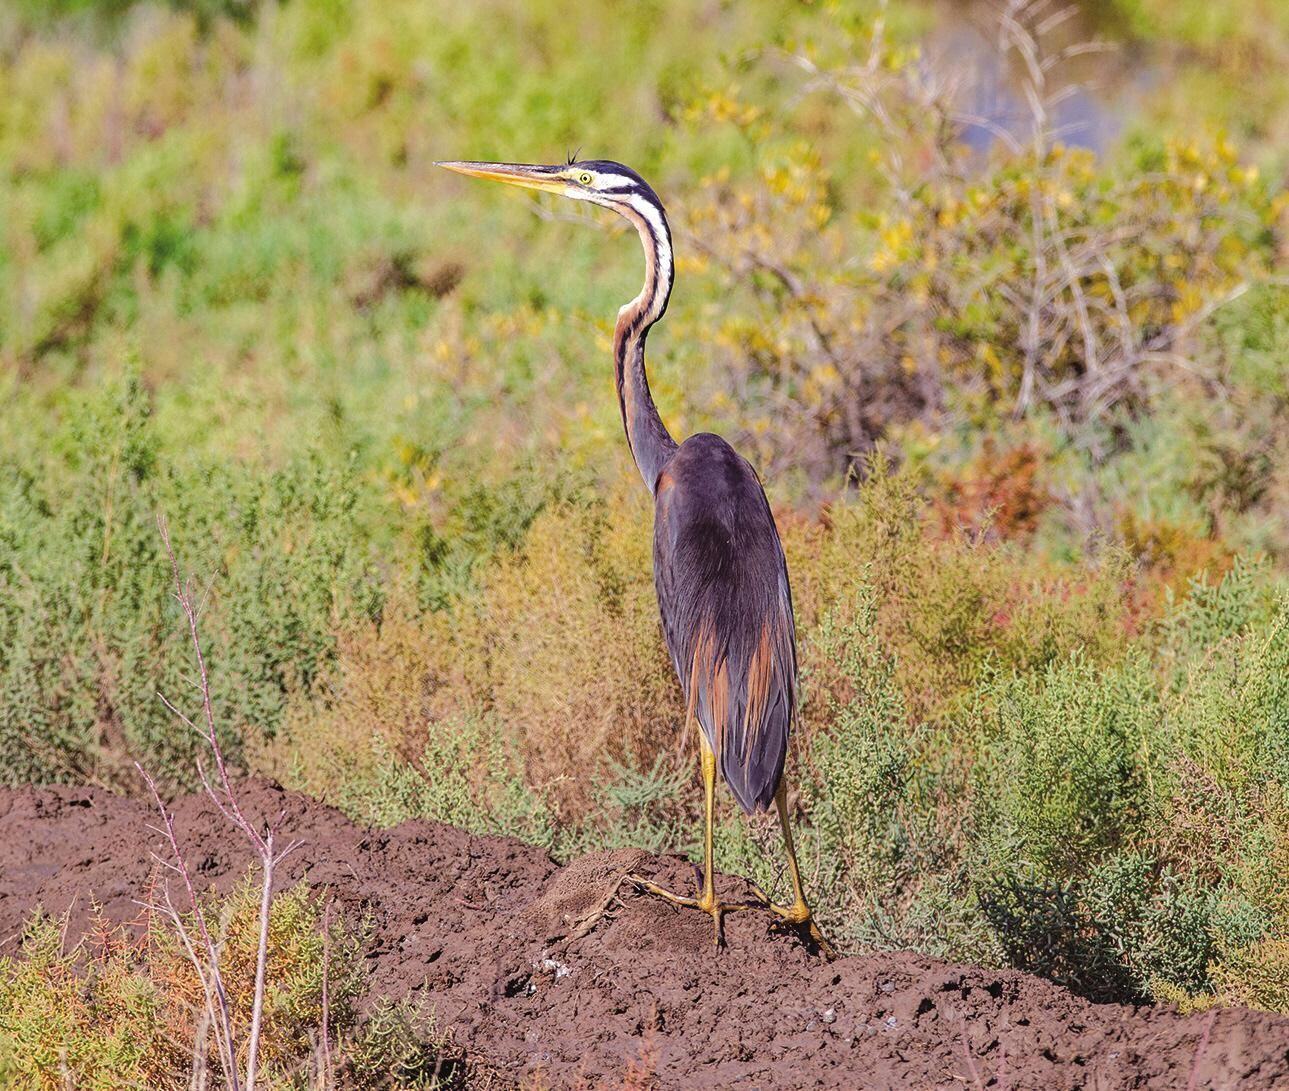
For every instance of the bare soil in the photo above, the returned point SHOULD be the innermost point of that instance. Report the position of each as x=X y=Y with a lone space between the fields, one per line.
x=540 y=970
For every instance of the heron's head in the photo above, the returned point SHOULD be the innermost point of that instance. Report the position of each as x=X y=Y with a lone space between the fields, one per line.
x=600 y=181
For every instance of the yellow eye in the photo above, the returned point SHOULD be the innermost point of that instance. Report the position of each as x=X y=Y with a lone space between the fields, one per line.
x=584 y=178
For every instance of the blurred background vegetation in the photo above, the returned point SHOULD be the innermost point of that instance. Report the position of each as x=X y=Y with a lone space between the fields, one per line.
x=1002 y=317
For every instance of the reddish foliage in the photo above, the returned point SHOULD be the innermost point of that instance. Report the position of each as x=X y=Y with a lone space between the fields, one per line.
x=997 y=496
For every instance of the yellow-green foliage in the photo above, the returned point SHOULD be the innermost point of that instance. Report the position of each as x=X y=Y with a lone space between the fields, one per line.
x=1256 y=976
x=555 y=657
x=120 y=1012
x=561 y=645
x=948 y=605
x=1045 y=282
x=56 y=1029
x=116 y=1012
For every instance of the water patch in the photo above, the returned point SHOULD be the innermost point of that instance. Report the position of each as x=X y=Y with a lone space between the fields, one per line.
x=1053 y=66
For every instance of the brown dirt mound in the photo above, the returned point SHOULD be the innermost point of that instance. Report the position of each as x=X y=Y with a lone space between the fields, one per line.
x=539 y=969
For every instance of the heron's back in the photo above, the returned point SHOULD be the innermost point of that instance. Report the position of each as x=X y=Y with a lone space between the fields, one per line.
x=727 y=611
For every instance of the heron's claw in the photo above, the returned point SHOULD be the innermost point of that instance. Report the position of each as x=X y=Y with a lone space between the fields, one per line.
x=799 y=918
x=809 y=929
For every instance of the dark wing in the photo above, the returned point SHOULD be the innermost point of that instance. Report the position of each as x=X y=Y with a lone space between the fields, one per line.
x=727 y=612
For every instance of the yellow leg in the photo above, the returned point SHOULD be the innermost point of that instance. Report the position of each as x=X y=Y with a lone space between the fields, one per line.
x=708 y=760
x=798 y=914
x=706 y=900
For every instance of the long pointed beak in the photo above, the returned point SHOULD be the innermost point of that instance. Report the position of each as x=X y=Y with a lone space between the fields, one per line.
x=528 y=175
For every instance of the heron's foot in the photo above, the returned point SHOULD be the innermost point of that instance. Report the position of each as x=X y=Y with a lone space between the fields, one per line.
x=706 y=901
x=800 y=919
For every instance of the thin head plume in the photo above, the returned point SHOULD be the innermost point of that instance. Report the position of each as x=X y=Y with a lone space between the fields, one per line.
x=573 y=156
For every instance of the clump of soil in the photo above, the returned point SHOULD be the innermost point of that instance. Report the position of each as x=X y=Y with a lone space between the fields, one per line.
x=541 y=969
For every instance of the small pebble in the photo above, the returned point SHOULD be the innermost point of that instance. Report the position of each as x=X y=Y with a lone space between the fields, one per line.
x=555 y=967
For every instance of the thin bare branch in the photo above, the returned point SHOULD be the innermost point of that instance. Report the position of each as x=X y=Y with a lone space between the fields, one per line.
x=199 y=917
x=184 y=597
x=261 y=963
x=325 y=1081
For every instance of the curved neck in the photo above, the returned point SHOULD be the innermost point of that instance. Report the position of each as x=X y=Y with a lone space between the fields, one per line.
x=650 y=442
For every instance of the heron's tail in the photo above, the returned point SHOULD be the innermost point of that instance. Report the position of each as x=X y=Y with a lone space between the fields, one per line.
x=742 y=691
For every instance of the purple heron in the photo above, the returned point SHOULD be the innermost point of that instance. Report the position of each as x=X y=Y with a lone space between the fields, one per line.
x=719 y=567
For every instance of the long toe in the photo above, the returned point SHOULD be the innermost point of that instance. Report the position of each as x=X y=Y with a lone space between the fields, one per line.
x=661 y=892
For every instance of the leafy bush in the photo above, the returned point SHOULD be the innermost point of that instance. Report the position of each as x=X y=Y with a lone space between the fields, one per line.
x=1046 y=283
x=1062 y=750
x=87 y=634
x=465 y=776
x=121 y=1012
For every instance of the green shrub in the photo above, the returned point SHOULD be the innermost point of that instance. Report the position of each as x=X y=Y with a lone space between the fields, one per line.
x=1060 y=775
x=116 y=1012
x=466 y=776
x=88 y=635
x=858 y=798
